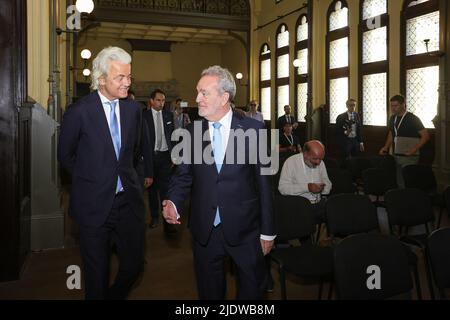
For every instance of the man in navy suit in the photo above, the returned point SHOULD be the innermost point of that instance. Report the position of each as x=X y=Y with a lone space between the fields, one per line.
x=100 y=146
x=349 y=131
x=160 y=126
x=231 y=201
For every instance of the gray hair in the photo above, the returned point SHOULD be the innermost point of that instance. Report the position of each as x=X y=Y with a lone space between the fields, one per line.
x=100 y=66
x=226 y=80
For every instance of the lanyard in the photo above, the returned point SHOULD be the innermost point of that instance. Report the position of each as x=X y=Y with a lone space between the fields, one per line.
x=399 y=124
x=291 y=141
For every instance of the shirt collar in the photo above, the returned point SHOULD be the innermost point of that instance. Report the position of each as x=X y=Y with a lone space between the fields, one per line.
x=226 y=119
x=105 y=100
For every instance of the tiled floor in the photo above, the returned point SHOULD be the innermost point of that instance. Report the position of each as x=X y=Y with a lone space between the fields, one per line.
x=168 y=273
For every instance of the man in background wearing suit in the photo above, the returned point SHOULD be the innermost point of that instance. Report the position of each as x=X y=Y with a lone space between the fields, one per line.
x=286 y=118
x=160 y=127
x=100 y=147
x=348 y=131
x=231 y=201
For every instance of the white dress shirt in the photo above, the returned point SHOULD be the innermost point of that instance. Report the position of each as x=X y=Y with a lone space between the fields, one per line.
x=164 y=146
x=296 y=175
x=107 y=110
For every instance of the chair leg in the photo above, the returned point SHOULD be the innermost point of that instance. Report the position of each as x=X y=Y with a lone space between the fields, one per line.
x=438 y=225
x=429 y=278
x=417 y=281
x=320 y=288
x=330 y=291
x=282 y=283
x=319 y=228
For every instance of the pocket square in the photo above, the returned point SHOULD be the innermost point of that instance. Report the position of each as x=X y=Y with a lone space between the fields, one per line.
x=169 y=122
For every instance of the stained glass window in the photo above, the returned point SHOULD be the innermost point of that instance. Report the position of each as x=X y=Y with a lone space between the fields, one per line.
x=339 y=17
x=302 y=56
x=302 y=98
x=283 y=37
x=422 y=94
x=302 y=30
x=374 y=8
x=338 y=97
x=374 y=99
x=339 y=53
x=420 y=28
x=265 y=70
x=416 y=2
x=265 y=103
x=374 y=45
x=283 y=66
x=283 y=99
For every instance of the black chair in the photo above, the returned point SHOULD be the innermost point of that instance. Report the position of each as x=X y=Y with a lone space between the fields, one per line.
x=446 y=196
x=341 y=181
x=377 y=182
x=407 y=208
x=371 y=266
x=438 y=254
x=422 y=177
x=295 y=220
x=349 y=214
x=356 y=166
x=331 y=163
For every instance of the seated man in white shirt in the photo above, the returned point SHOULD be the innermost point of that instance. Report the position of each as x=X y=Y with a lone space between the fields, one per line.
x=305 y=175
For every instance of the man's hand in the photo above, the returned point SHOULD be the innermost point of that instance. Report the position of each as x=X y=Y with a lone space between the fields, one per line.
x=316 y=187
x=169 y=212
x=266 y=246
x=384 y=151
x=148 y=182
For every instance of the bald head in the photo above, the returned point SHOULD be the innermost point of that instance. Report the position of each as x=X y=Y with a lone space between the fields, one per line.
x=313 y=153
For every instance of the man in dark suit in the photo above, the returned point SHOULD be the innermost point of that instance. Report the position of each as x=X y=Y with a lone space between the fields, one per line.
x=348 y=131
x=286 y=118
x=100 y=147
x=231 y=201
x=160 y=126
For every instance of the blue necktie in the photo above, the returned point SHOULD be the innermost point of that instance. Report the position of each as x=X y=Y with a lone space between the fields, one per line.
x=115 y=135
x=218 y=158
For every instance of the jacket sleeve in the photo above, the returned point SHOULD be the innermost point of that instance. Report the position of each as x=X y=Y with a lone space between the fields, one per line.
x=69 y=137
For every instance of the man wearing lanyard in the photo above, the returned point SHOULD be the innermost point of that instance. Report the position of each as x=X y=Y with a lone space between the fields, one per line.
x=407 y=133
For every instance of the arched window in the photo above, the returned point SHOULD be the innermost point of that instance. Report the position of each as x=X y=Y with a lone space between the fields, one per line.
x=337 y=58
x=264 y=81
x=301 y=74
x=373 y=60
x=421 y=48
x=282 y=69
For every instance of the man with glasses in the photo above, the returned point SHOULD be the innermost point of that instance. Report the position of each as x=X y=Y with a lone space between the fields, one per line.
x=348 y=131
x=253 y=111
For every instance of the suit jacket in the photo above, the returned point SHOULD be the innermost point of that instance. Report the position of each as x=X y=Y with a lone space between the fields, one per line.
x=282 y=121
x=242 y=194
x=341 y=124
x=168 y=126
x=86 y=151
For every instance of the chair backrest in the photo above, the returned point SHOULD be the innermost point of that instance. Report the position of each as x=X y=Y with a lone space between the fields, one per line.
x=349 y=214
x=357 y=165
x=294 y=218
x=408 y=207
x=371 y=266
x=376 y=181
x=438 y=251
x=447 y=199
x=331 y=163
x=419 y=177
x=341 y=181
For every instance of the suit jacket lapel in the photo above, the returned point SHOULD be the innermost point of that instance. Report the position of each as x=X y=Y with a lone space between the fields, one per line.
x=124 y=125
x=100 y=122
